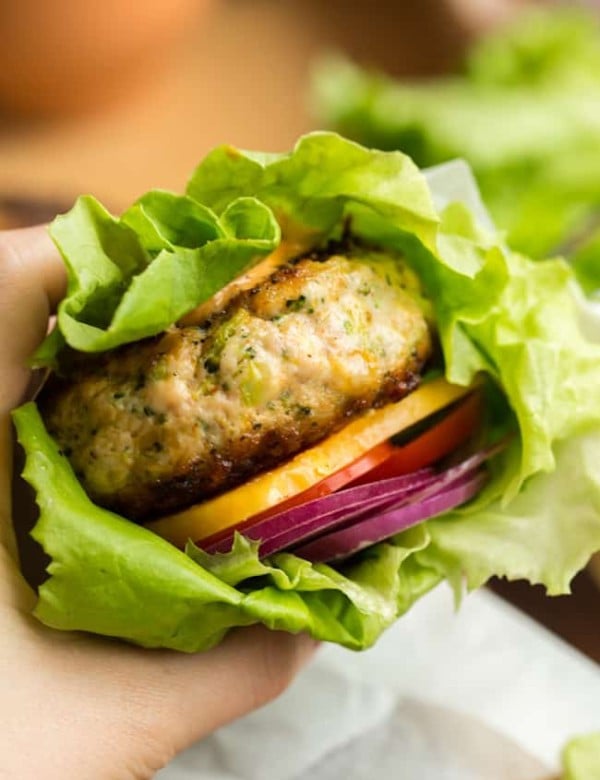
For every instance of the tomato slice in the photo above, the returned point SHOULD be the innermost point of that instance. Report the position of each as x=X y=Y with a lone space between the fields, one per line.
x=386 y=460
x=445 y=437
x=339 y=479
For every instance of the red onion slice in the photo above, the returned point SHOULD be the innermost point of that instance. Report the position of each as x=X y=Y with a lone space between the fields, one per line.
x=378 y=527
x=347 y=507
x=300 y=522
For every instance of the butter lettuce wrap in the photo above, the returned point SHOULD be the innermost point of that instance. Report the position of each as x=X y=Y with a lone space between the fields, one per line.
x=498 y=314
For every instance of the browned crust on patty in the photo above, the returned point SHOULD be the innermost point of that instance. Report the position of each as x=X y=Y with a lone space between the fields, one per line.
x=155 y=426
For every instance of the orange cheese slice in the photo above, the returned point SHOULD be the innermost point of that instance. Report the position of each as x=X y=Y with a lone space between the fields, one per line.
x=308 y=467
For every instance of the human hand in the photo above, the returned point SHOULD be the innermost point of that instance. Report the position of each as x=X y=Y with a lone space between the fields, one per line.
x=73 y=705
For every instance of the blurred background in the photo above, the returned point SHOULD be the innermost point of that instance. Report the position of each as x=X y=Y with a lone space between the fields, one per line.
x=116 y=98
x=119 y=98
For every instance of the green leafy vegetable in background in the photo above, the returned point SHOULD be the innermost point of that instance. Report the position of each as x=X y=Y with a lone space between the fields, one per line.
x=497 y=312
x=581 y=758
x=525 y=114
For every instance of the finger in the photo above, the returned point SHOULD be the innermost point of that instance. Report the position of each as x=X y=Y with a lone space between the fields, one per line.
x=32 y=281
x=251 y=668
x=130 y=710
x=171 y=700
x=31 y=253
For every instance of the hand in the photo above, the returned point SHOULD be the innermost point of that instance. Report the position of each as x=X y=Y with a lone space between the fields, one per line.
x=73 y=705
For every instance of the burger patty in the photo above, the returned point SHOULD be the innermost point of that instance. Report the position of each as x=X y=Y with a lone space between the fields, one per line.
x=154 y=426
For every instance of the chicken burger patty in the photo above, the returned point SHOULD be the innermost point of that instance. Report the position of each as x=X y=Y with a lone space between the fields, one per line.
x=157 y=425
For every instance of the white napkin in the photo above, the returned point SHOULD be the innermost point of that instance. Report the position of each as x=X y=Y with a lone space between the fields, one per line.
x=482 y=693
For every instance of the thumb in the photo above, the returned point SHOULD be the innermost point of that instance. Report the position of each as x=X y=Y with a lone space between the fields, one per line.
x=148 y=705
x=32 y=281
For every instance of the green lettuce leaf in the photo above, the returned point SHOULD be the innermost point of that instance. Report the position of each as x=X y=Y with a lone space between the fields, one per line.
x=497 y=312
x=548 y=371
x=325 y=180
x=133 y=277
x=546 y=534
x=581 y=758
